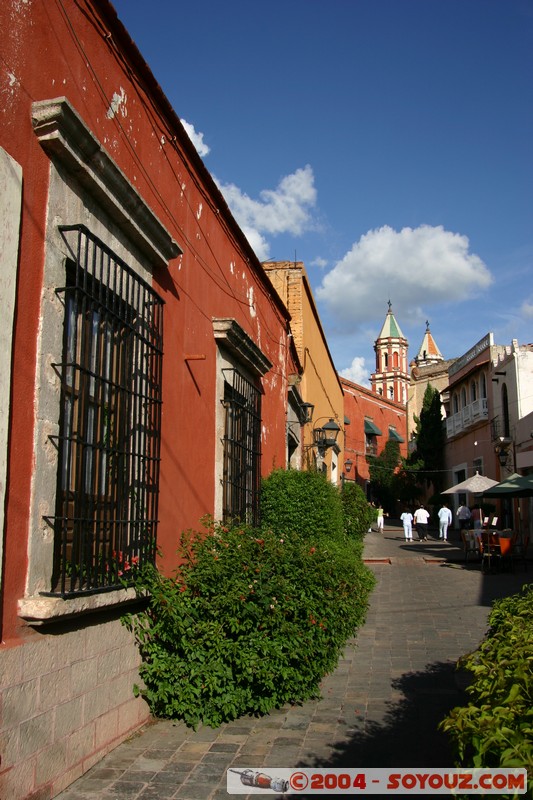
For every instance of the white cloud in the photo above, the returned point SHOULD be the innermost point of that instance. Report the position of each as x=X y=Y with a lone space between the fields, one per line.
x=258 y=243
x=285 y=209
x=357 y=372
x=196 y=138
x=415 y=268
x=526 y=309
x=321 y=263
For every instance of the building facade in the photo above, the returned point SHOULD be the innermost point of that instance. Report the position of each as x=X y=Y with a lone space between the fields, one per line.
x=488 y=395
x=373 y=421
x=318 y=385
x=147 y=368
x=428 y=367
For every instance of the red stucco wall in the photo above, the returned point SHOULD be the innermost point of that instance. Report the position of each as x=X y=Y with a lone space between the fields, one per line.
x=79 y=51
x=361 y=403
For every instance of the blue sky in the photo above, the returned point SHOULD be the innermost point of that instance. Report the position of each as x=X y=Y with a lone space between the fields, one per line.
x=388 y=144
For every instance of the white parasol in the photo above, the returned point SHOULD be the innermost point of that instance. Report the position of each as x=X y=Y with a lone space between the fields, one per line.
x=476 y=484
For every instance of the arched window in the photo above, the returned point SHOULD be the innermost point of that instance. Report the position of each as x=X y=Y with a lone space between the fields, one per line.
x=463 y=397
x=395 y=360
x=385 y=360
x=473 y=392
x=455 y=403
x=505 y=411
x=483 y=385
x=391 y=392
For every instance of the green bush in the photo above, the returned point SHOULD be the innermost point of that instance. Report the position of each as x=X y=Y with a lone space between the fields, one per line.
x=253 y=619
x=303 y=503
x=495 y=729
x=358 y=514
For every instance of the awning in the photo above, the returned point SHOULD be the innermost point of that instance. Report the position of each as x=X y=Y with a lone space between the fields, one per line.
x=372 y=429
x=395 y=436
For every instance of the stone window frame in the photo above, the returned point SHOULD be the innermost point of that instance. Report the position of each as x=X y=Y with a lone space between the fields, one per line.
x=86 y=187
x=10 y=222
x=235 y=351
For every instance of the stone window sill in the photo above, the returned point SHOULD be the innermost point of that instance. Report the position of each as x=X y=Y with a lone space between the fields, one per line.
x=40 y=610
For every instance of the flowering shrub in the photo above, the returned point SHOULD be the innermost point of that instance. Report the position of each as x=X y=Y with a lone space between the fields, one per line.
x=495 y=729
x=118 y=569
x=358 y=514
x=253 y=619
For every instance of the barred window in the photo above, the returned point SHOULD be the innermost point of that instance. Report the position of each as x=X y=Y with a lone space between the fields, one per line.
x=242 y=456
x=110 y=420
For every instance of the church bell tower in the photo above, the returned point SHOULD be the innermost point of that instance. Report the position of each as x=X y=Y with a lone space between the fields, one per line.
x=391 y=378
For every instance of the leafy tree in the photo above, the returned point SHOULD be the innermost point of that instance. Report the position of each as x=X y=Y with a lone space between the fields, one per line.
x=431 y=438
x=407 y=486
x=382 y=471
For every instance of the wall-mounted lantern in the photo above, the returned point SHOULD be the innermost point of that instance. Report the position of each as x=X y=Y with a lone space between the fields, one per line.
x=306 y=413
x=502 y=449
x=326 y=436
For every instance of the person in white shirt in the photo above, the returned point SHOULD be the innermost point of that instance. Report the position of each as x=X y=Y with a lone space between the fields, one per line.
x=445 y=519
x=407 y=522
x=421 y=522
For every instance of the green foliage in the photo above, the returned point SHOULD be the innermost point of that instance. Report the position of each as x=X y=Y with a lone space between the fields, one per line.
x=357 y=512
x=301 y=502
x=382 y=471
x=495 y=729
x=406 y=486
x=252 y=619
x=431 y=438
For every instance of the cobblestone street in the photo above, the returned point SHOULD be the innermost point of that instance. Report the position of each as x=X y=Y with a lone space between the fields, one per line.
x=380 y=707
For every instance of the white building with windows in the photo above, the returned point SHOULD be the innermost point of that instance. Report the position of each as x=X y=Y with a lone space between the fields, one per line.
x=490 y=391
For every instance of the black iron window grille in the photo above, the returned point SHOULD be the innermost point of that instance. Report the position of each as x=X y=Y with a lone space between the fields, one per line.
x=242 y=454
x=109 y=430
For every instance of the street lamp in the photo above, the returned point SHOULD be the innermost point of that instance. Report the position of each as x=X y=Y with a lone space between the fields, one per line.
x=306 y=413
x=502 y=450
x=326 y=436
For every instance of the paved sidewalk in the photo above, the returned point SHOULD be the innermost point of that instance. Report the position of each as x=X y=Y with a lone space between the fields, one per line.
x=379 y=708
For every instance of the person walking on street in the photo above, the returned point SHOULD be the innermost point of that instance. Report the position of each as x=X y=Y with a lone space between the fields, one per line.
x=463 y=516
x=445 y=519
x=421 y=522
x=407 y=522
x=381 y=520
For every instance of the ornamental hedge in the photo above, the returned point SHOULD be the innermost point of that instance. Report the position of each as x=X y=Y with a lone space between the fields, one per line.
x=253 y=618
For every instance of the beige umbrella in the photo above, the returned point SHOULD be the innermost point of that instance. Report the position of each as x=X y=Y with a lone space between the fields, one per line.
x=476 y=484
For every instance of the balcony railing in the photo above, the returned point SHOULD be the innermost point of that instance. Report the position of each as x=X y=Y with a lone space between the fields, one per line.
x=467 y=416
